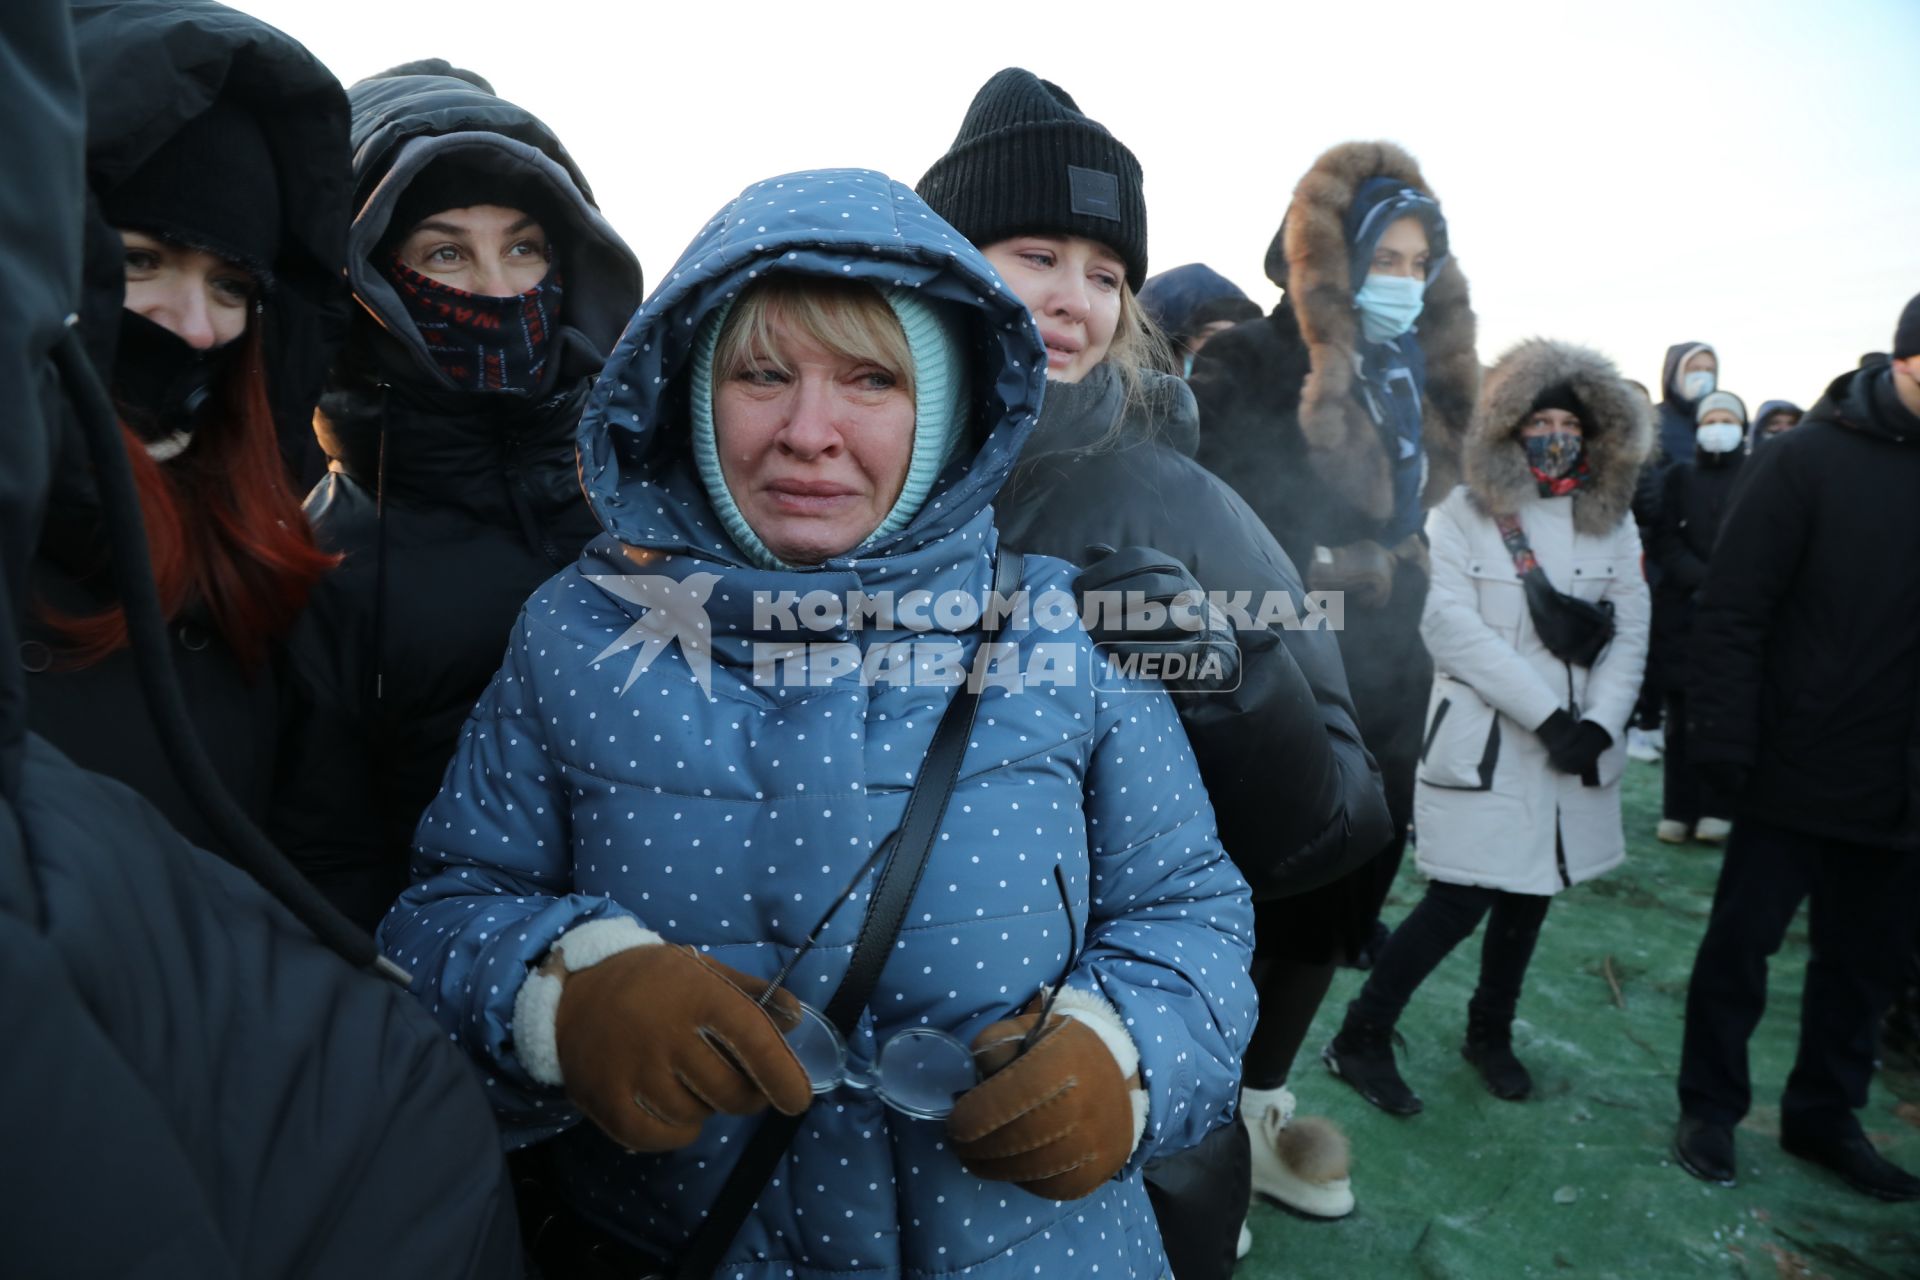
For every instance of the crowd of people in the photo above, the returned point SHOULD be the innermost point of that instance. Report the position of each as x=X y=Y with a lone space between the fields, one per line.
x=820 y=883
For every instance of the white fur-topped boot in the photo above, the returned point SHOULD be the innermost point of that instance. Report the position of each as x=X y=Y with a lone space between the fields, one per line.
x=1301 y=1164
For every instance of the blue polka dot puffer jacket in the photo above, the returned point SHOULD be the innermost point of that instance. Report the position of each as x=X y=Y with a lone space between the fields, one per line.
x=641 y=755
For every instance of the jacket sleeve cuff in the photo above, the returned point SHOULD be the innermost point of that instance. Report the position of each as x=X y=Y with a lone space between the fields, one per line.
x=1099 y=1016
x=538 y=1004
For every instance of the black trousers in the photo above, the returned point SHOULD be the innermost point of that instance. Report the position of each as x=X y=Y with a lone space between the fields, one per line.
x=1864 y=903
x=1684 y=796
x=1444 y=919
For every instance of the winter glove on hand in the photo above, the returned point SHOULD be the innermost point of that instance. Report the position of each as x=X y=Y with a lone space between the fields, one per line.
x=1364 y=570
x=1578 y=752
x=655 y=1039
x=1724 y=779
x=1555 y=731
x=1057 y=1120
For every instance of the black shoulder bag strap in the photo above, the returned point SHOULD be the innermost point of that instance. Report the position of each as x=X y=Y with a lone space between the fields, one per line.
x=886 y=912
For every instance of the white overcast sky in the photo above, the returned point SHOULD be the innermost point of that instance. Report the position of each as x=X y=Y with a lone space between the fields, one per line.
x=1628 y=174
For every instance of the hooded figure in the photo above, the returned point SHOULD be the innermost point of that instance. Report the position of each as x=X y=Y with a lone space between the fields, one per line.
x=1694 y=496
x=1519 y=784
x=641 y=773
x=454 y=490
x=1192 y=304
x=1680 y=392
x=1337 y=441
x=1775 y=418
x=207 y=132
x=201 y=1087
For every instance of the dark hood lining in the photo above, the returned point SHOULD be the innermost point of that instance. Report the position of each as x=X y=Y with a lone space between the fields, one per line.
x=603 y=279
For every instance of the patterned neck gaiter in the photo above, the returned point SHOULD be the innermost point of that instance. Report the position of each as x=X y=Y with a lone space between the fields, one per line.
x=1558 y=461
x=482 y=343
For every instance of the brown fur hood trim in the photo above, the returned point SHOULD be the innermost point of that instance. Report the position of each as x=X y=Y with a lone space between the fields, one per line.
x=1309 y=259
x=1618 y=425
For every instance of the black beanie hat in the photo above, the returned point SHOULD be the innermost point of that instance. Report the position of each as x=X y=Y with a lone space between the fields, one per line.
x=451 y=184
x=1906 y=335
x=213 y=185
x=1561 y=396
x=1027 y=161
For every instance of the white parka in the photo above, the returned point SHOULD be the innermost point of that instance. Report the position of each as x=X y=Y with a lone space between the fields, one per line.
x=1488 y=807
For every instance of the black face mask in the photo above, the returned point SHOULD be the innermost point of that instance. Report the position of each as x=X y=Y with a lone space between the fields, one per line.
x=161 y=382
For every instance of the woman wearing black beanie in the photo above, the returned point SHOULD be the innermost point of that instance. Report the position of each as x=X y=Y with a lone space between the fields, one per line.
x=1056 y=204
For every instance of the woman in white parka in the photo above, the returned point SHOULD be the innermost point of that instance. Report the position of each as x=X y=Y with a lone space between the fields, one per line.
x=1537 y=620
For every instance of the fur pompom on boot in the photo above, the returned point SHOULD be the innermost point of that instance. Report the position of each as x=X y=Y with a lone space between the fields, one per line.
x=1299 y=1163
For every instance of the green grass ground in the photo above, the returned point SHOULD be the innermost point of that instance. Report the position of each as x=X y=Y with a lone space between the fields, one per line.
x=1579 y=1180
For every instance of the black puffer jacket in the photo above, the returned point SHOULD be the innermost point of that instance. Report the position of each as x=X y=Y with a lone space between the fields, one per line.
x=1806 y=659
x=197 y=1086
x=451 y=506
x=148 y=68
x=1298 y=798
x=1694 y=497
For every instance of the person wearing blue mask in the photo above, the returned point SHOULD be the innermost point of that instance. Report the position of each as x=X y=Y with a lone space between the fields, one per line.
x=1694 y=496
x=1690 y=372
x=1339 y=417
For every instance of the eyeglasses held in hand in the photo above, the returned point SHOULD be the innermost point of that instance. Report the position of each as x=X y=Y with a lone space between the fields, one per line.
x=918 y=1072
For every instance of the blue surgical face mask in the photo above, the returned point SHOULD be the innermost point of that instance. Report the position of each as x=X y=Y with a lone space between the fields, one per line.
x=1698 y=383
x=1389 y=305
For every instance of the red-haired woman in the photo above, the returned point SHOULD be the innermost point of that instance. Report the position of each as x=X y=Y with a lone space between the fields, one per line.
x=231 y=269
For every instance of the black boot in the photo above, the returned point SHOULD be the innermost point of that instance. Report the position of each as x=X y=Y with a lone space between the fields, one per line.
x=1362 y=1055
x=1489 y=1047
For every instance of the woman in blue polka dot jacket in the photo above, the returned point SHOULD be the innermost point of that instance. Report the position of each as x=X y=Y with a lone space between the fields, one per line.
x=695 y=746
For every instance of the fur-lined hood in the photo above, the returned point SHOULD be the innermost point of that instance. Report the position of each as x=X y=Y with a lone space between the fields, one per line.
x=1309 y=260
x=1618 y=426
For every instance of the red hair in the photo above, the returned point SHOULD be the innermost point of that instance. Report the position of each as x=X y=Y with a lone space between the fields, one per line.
x=224 y=528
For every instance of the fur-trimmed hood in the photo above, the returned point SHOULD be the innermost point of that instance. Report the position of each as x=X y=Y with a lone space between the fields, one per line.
x=1309 y=260
x=1618 y=426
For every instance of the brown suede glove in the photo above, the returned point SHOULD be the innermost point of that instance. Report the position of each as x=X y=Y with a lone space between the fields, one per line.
x=1364 y=570
x=1056 y=1120
x=655 y=1039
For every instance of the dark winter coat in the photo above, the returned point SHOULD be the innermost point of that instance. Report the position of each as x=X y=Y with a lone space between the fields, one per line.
x=1694 y=497
x=148 y=68
x=1281 y=422
x=1806 y=659
x=481 y=500
x=198 y=1087
x=1298 y=799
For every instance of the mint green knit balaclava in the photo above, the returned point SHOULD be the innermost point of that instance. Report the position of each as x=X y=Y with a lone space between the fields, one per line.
x=942 y=395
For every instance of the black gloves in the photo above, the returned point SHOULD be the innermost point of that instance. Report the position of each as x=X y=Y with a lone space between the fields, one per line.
x=1574 y=746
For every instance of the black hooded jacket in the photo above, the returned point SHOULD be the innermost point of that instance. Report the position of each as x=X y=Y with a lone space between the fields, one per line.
x=451 y=506
x=147 y=69
x=1806 y=660
x=1694 y=496
x=198 y=1086
x=1297 y=796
